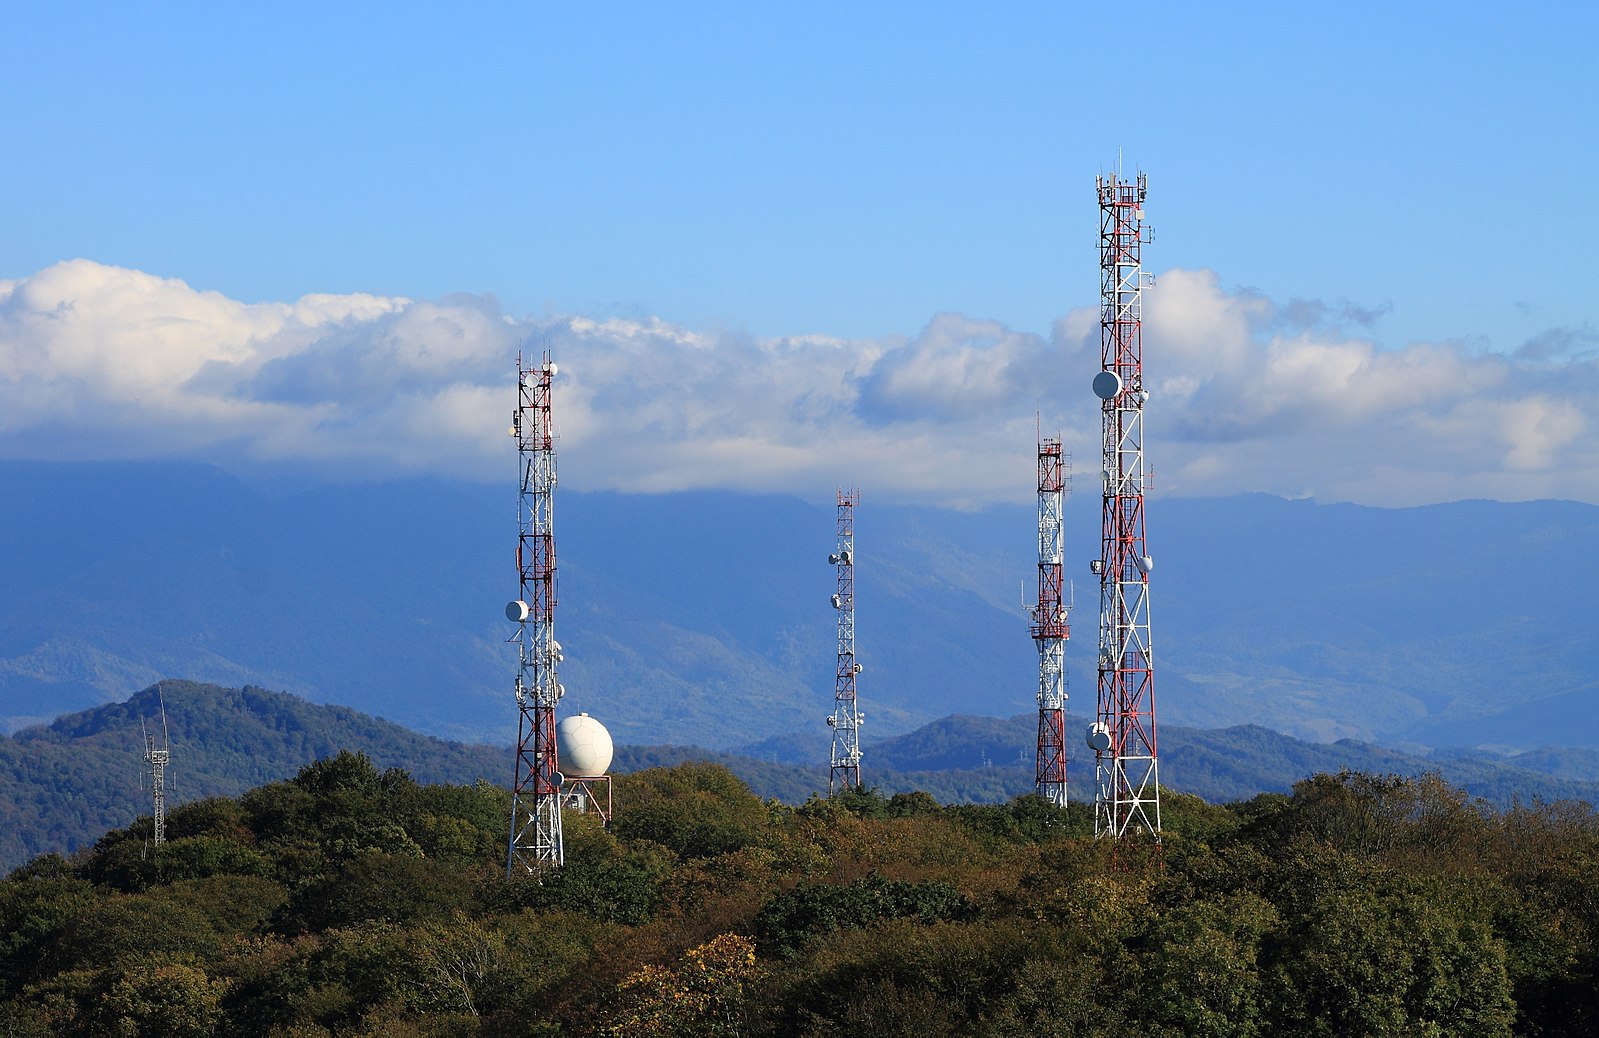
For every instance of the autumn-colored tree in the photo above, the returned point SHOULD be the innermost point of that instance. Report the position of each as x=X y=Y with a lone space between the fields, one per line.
x=702 y=996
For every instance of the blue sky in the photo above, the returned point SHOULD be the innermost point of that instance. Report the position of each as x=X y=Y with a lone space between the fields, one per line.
x=1389 y=175
x=849 y=169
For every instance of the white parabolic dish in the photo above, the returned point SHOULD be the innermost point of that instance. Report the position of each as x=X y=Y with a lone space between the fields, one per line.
x=1107 y=384
x=583 y=746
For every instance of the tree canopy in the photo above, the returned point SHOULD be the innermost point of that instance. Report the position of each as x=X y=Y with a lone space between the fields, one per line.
x=354 y=900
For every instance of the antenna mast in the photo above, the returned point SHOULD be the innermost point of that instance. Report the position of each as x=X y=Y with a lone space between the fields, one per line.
x=846 y=718
x=1050 y=629
x=1127 y=773
x=157 y=757
x=535 y=842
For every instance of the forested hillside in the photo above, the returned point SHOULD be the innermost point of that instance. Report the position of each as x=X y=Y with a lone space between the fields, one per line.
x=64 y=784
x=355 y=901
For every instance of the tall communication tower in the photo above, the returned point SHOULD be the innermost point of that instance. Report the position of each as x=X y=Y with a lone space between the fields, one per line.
x=535 y=842
x=846 y=718
x=1049 y=628
x=1123 y=735
x=156 y=758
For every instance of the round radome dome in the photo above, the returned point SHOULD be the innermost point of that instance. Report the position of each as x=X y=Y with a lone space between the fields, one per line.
x=583 y=746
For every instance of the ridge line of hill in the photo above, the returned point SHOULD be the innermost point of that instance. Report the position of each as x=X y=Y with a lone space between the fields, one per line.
x=63 y=784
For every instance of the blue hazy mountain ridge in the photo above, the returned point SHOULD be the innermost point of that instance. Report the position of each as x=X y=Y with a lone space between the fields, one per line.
x=964 y=756
x=973 y=758
x=1459 y=624
x=702 y=618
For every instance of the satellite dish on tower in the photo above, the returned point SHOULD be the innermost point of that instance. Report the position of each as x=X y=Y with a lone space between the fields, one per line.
x=1107 y=384
x=517 y=611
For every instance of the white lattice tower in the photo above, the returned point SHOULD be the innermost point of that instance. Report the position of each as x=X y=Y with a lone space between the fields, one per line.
x=157 y=756
x=846 y=718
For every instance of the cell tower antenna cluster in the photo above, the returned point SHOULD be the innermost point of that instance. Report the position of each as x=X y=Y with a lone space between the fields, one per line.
x=1050 y=628
x=535 y=842
x=846 y=718
x=156 y=758
x=1127 y=771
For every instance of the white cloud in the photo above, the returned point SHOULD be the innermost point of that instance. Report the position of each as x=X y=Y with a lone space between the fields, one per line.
x=1275 y=403
x=1247 y=394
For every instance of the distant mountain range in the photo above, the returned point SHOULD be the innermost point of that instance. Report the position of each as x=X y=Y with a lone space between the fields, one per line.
x=64 y=784
x=703 y=618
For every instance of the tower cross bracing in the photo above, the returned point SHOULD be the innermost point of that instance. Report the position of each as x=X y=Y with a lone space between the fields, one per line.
x=846 y=718
x=1127 y=770
x=1050 y=629
x=535 y=838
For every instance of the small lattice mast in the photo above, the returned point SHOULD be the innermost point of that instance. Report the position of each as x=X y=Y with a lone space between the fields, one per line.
x=1127 y=794
x=157 y=757
x=535 y=842
x=846 y=718
x=1050 y=628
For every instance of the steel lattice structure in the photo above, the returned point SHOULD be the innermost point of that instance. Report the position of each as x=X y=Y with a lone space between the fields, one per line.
x=846 y=718
x=1050 y=628
x=535 y=841
x=157 y=757
x=1127 y=772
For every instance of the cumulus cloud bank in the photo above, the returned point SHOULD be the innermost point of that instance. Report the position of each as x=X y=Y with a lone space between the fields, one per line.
x=1247 y=394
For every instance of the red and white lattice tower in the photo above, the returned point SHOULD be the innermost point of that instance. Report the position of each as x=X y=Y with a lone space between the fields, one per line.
x=1050 y=628
x=1127 y=794
x=846 y=718
x=535 y=842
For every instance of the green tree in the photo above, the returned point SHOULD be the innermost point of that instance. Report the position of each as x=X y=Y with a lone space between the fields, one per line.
x=376 y=887
x=166 y=1001
x=38 y=906
x=793 y=918
x=457 y=964
x=698 y=810
x=1200 y=968
x=862 y=801
x=624 y=888
x=1362 y=950
x=124 y=929
x=1059 y=993
x=912 y=805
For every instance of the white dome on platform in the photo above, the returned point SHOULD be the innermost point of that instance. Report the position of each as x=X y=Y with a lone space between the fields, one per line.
x=583 y=746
